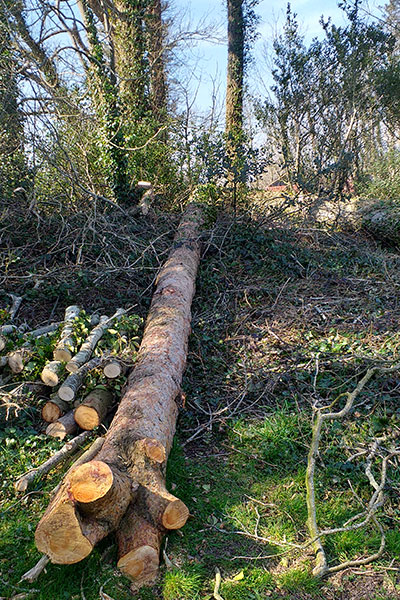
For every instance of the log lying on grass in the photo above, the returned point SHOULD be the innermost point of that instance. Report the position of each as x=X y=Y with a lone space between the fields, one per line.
x=93 y=498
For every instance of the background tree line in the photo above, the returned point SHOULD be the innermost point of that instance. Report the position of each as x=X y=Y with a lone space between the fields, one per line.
x=87 y=107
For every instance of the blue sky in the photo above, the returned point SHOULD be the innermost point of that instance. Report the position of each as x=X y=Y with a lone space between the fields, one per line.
x=207 y=60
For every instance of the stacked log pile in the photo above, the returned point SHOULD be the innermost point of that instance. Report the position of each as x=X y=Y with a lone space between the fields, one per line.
x=80 y=360
x=119 y=484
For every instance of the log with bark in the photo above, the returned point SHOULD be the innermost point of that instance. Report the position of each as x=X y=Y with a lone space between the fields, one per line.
x=63 y=352
x=131 y=464
x=94 y=408
x=65 y=425
x=54 y=409
x=91 y=341
x=74 y=382
x=114 y=368
x=52 y=372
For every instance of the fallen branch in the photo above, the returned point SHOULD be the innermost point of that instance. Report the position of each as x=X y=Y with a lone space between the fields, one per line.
x=217 y=585
x=65 y=347
x=321 y=568
x=91 y=341
x=23 y=483
x=15 y=306
x=34 y=573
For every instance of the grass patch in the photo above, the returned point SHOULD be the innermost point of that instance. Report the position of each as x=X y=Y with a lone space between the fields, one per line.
x=182 y=584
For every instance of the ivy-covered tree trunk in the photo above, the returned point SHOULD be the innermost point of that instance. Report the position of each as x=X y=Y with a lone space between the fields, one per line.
x=234 y=90
x=12 y=164
x=131 y=62
x=104 y=94
x=155 y=41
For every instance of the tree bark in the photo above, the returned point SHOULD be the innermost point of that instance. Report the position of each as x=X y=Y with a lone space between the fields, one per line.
x=235 y=73
x=63 y=427
x=64 y=350
x=140 y=436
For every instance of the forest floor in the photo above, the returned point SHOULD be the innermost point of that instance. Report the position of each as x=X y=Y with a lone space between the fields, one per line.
x=288 y=312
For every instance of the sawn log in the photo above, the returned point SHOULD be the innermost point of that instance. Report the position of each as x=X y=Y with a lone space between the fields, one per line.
x=94 y=497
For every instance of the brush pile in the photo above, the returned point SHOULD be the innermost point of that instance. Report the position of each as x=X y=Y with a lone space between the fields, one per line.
x=72 y=370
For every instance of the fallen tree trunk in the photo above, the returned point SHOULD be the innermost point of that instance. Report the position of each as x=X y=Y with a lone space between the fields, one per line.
x=93 y=498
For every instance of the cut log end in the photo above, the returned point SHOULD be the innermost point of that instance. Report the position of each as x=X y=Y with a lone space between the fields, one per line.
x=87 y=417
x=140 y=564
x=16 y=361
x=51 y=412
x=72 y=367
x=62 y=354
x=68 y=546
x=63 y=427
x=66 y=393
x=113 y=369
x=90 y=481
x=51 y=373
x=175 y=515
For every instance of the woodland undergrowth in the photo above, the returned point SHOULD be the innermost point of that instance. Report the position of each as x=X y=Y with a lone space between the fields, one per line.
x=289 y=314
